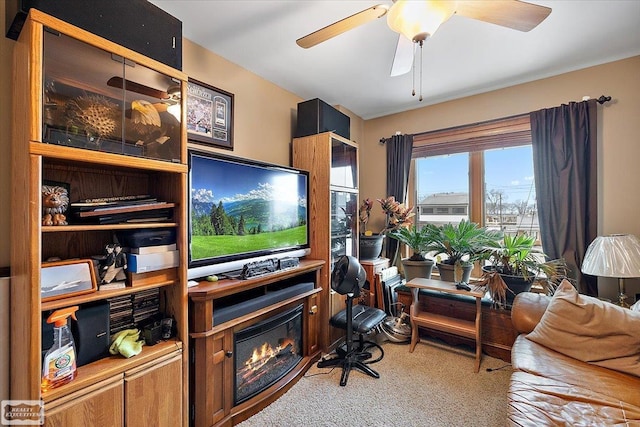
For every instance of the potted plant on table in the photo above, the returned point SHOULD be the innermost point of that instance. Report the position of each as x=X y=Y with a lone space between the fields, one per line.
x=514 y=265
x=460 y=245
x=417 y=265
x=397 y=217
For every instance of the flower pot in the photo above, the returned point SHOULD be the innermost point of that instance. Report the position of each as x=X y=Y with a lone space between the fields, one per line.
x=370 y=246
x=515 y=284
x=448 y=272
x=414 y=269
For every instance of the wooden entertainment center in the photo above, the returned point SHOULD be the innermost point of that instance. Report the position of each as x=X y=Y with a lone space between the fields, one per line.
x=212 y=351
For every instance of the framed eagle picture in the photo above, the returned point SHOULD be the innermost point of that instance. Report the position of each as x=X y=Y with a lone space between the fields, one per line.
x=209 y=115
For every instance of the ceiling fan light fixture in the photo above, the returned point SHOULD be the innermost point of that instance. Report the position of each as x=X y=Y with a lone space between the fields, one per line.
x=418 y=20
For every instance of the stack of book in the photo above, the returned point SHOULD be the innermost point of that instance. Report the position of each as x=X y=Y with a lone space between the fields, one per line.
x=122 y=209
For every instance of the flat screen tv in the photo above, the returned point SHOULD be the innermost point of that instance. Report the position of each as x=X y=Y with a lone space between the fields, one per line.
x=243 y=210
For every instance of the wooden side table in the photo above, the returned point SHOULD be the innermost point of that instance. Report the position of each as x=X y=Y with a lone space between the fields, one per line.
x=452 y=325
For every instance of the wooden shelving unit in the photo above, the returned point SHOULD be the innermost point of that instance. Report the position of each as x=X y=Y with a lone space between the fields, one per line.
x=147 y=389
x=332 y=162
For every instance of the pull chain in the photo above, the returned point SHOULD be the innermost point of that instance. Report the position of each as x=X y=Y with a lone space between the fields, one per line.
x=413 y=72
x=421 y=68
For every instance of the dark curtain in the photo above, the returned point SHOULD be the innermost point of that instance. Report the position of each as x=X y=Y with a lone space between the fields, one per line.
x=564 y=160
x=398 y=162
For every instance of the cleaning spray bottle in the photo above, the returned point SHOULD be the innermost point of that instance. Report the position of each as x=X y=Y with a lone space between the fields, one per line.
x=59 y=365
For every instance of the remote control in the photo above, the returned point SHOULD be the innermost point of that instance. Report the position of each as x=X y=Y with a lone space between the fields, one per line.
x=463 y=285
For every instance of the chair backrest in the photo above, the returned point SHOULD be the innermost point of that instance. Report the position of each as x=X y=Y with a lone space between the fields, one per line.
x=348 y=276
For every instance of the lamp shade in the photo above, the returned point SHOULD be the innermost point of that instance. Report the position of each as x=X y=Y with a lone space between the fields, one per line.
x=417 y=20
x=616 y=255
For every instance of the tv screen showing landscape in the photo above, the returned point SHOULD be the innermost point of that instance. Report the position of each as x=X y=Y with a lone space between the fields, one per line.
x=240 y=209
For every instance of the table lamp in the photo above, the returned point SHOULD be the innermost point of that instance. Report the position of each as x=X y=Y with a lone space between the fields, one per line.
x=615 y=255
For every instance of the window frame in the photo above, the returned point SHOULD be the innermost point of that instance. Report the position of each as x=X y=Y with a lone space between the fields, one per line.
x=474 y=139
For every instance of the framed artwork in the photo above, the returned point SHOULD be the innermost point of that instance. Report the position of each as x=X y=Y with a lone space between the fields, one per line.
x=209 y=115
x=62 y=279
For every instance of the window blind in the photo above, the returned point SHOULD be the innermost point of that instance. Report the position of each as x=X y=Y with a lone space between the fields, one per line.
x=506 y=132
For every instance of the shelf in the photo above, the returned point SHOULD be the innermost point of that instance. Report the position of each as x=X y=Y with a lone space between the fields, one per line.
x=107 y=227
x=211 y=290
x=99 y=157
x=242 y=319
x=100 y=295
x=111 y=366
x=452 y=325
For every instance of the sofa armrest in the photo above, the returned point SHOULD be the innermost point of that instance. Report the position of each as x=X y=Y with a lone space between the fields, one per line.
x=527 y=310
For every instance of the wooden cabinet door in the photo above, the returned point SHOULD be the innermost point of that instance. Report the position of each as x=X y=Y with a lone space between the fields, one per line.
x=97 y=405
x=208 y=374
x=153 y=393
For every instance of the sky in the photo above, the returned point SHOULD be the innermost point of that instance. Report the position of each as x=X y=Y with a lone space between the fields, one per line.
x=509 y=169
x=214 y=180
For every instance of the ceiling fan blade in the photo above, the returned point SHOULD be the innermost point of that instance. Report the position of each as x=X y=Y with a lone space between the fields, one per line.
x=342 y=26
x=514 y=14
x=119 y=83
x=403 y=58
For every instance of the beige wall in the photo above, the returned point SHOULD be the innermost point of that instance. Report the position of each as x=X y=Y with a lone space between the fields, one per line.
x=618 y=140
x=264 y=114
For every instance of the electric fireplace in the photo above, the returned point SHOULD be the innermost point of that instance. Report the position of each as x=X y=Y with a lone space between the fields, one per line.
x=266 y=352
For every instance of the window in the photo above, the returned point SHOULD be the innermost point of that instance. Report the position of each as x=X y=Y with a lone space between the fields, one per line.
x=481 y=172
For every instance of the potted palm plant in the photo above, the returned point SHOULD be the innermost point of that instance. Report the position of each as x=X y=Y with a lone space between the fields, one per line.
x=457 y=247
x=417 y=265
x=515 y=264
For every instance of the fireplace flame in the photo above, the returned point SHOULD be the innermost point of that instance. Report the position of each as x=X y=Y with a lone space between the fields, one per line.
x=263 y=354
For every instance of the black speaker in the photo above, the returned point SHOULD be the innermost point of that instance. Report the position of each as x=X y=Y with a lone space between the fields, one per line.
x=90 y=333
x=135 y=24
x=316 y=116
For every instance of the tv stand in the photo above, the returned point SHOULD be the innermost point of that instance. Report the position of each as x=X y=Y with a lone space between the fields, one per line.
x=212 y=367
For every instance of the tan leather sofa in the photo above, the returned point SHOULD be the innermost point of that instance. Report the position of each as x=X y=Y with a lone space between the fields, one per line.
x=549 y=388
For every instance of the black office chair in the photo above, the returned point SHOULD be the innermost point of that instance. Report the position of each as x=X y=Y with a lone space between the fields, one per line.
x=347 y=278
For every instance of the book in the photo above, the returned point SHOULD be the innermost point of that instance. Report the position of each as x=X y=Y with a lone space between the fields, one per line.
x=102 y=201
x=153 y=249
x=103 y=211
x=112 y=285
x=154 y=215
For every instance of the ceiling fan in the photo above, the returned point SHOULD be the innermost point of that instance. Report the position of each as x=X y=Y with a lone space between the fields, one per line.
x=415 y=21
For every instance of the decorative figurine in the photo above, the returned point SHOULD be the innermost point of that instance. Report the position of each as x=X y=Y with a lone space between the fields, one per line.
x=55 y=201
x=114 y=265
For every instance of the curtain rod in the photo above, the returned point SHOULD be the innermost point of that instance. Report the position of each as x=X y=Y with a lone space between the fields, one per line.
x=601 y=100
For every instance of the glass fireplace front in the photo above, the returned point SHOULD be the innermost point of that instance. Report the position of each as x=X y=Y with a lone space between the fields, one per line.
x=266 y=352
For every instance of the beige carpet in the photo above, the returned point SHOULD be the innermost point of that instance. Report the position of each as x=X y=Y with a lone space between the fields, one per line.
x=433 y=386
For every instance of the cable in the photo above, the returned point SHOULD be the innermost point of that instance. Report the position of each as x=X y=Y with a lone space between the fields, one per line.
x=497 y=369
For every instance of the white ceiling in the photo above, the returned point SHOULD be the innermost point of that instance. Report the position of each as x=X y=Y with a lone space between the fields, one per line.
x=463 y=58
